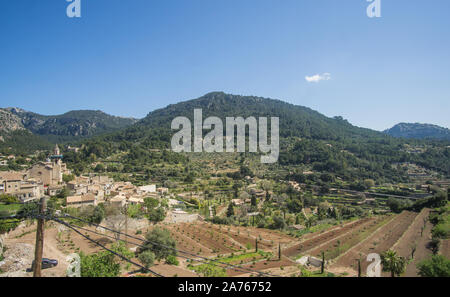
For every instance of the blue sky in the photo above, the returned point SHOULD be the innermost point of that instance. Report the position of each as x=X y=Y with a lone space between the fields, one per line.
x=128 y=58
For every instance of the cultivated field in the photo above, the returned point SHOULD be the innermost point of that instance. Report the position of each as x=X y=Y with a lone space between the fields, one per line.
x=379 y=241
x=342 y=244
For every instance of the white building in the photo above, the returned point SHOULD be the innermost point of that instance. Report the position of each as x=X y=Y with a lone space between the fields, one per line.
x=148 y=189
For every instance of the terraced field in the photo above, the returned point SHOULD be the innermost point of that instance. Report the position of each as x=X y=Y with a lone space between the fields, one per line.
x=416 y=238
x=342 y=244
x=217 y=241
x=211 y=240
x=319 y=239
x=267 y=240
x=379 y=241
x=262 y=265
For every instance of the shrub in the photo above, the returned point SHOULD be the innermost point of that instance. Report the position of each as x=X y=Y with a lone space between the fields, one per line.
x=437 y=266
x=172 y=260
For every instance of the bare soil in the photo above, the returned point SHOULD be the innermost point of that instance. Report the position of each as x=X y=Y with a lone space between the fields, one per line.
x=380 y=241
x=322 y=238
x=414 y=237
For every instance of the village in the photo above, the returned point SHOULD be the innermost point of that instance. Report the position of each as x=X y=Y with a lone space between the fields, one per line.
x=46 y=179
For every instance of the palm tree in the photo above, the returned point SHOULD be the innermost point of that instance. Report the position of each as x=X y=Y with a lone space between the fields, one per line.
x=393 y=263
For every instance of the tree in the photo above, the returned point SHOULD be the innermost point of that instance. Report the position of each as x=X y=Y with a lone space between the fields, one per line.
x=236 y=186
x=147 y=258
x=369 y=183
x=323 y=210
x=437 y=266
x=98 y=214
x=253 y=200
x=68 y=177
x=172 y=260
x=278 y=223
x=150 y=202
x=159 y=242
x=103 y=264
x=324 y=189
x=189 y=178
x=63 y=193
x=245 y=171
x=310 y=221
x=267 y=186
x=157 y=215
x=434 y=245
x=294 y=205
x=230 y=210
x=393 y=263
x=398 y=205
x=116 y=222
x=99 y=168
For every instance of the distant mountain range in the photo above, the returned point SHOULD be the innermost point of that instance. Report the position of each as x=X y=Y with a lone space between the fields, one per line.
x=71 y=126
x=295 y=120
x=307 y=137
x=419 y=131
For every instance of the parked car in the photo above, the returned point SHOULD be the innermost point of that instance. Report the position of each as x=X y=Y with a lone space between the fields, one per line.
x=47 y=263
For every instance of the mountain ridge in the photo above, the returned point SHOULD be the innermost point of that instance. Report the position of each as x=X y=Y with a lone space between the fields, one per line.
x=72 y=125
x=418 y=131
x=213 y=102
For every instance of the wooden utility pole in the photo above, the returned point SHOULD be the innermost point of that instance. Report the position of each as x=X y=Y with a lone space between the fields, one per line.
x=126 y=225
x=359 y=267
x=279 y=251
x=322 y=267
x=39 y=247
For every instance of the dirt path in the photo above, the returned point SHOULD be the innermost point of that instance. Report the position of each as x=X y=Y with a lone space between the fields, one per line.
x=51 y=250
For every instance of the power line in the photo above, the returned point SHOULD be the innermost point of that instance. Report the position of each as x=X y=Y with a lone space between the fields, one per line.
x=208 y=260
x=168 y=247
x=144 y=247
x=105 y=248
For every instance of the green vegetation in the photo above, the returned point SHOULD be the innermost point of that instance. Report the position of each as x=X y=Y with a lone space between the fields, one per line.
x=104 y=264
x=393 y=263
x=172 y=260
x=90 y=213
x=147 y=258
x=398 y=205
x=441 y=222
x=437 y=266
x=8 y=199
x=156 y=209
x=212 y=270
x=160 y=243
x=317 y=273
x=9 y=209
x=308 y=139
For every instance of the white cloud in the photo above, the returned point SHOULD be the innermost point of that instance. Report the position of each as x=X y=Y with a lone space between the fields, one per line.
x=318 y=77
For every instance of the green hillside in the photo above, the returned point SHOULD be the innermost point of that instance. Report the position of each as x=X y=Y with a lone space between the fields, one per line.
x=308 y=140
